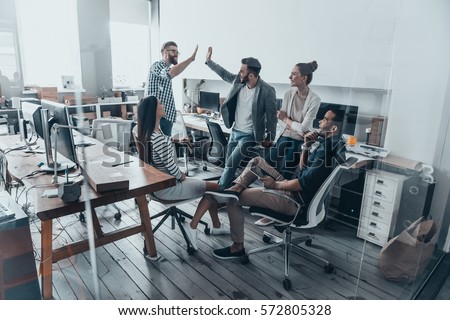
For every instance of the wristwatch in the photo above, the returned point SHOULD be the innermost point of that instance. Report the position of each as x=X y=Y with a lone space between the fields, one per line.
x=305 y=147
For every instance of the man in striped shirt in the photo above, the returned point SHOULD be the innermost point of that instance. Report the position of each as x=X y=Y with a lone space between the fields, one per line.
x=160 y=81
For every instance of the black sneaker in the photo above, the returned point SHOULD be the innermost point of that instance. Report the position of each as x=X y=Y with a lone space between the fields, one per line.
x=224 y=196
x=225 y=253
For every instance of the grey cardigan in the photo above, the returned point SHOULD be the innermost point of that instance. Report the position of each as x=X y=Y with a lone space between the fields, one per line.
x=264 y=108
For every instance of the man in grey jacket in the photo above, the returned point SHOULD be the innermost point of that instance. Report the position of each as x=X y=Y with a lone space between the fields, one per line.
x=250 y=109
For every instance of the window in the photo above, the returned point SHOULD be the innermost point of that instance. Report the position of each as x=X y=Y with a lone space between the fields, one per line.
x=10 y=82
x=130 y=50
x=49 y=41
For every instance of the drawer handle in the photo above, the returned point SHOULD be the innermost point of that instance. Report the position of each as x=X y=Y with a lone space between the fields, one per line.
x=380 y=181
x=373 y=224
x=376 y=214
x=378 y=193
x=371 y=234
x=376 y=203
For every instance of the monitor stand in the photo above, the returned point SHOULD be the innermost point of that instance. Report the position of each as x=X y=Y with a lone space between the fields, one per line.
x=61 y=166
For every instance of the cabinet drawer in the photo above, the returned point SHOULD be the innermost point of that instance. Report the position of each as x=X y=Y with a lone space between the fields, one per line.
x=381 y=187
x=373 y=237
x=377 y=214
x=372 y=202
x=373 y=231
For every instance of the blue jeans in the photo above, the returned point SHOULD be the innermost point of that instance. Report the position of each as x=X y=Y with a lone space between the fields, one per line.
x=166 y=126
x=237 y=149
x=285 y=156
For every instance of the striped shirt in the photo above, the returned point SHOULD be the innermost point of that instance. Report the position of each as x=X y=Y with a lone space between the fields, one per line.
x=160 y=85
x=162 y=155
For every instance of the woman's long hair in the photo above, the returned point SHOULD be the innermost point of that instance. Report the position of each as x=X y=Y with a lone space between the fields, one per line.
x=146 y=125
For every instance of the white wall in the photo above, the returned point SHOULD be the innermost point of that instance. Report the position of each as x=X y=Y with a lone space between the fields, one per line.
x=400 y=48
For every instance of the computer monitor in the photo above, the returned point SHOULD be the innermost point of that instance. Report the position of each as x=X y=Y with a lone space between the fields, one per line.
x=31 y=114
x=350 y=116
x=51 y=113
x=10 y=119
x=210 y=101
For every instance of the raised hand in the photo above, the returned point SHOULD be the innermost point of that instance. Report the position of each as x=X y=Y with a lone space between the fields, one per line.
x=209 y=54
x=195 y=53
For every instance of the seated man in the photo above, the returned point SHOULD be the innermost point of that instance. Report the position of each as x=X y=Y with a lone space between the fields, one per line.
x=314 y=167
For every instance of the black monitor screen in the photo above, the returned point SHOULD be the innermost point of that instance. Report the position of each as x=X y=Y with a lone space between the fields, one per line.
x=31 y=113
x=209 y=100
x=58 y=113
x=350 y=116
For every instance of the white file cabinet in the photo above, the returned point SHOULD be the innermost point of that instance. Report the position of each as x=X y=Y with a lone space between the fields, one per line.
x=379 y=208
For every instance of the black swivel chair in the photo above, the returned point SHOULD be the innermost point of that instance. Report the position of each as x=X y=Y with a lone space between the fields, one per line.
x=218 y=144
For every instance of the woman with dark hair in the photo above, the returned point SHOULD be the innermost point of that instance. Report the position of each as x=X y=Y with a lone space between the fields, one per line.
x=299 y=109
x=156 y=149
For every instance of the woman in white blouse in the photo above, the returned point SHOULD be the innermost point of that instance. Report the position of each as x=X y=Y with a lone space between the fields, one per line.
x=299 y=109
x=156 y=149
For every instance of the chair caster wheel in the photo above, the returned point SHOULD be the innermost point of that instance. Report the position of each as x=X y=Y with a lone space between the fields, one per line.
x=245 y=259
x=287 y=284
x=82 y=217
x=190 y=251
x=205 y=168
x=118 y=216
x=329 y=268
x=266 y=239
x=182 y=219
x=308 y=242
x=207 y=231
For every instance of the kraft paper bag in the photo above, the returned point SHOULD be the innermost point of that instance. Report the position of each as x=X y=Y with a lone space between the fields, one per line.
x=405 y=256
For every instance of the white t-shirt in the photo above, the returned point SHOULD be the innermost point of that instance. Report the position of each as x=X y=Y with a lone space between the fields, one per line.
x=243 y=116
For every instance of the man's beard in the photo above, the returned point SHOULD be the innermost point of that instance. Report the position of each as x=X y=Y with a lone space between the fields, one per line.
x=245 y=79
x=173 y=61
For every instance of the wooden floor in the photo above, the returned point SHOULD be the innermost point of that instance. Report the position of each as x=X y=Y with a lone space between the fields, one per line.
x=124 y=273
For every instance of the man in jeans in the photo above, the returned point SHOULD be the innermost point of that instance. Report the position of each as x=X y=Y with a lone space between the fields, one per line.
x=250 y=109
x=160 y=78
x=315 y=167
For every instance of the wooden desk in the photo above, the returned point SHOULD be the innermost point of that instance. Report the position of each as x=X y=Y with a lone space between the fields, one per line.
x=143 y=178
x=199 y=123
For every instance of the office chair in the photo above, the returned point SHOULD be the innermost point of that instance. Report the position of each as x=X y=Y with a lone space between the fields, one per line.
x=305 y=219
x=218 y=144
x=121 y=140
x=180 y=132
x=175 y=213
x=177 y=216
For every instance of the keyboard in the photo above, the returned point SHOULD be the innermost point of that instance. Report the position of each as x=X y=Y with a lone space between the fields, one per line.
x=369 y=151
x=5 y=213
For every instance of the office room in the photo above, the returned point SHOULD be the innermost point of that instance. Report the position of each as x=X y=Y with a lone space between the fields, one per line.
x=384 y=64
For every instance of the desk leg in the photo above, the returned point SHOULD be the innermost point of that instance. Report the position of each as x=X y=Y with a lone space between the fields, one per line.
x=46 y=258
x=145 y=218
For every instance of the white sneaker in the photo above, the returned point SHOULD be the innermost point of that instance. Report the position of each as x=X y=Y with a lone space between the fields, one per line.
x=192 y=235
x=223 y=229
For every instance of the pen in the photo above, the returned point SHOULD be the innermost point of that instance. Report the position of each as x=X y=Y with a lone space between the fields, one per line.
x=67 y=174
x=118 y=164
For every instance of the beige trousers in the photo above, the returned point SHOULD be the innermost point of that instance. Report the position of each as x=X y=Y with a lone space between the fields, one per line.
x=256 y=197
